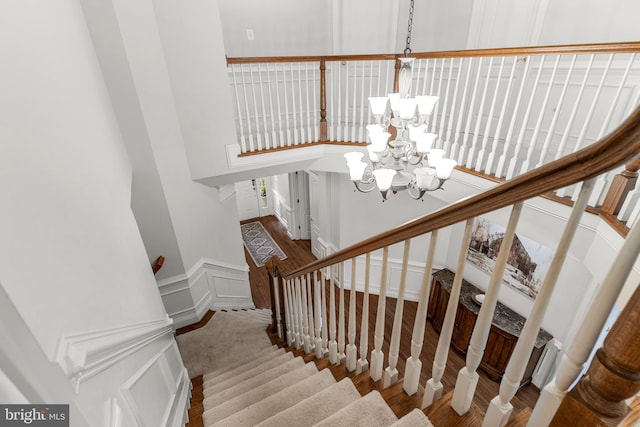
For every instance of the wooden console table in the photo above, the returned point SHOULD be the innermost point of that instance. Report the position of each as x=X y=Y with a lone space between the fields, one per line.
x=504 y=333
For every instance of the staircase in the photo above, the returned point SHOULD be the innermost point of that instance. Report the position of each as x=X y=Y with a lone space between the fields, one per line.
x=274 y=387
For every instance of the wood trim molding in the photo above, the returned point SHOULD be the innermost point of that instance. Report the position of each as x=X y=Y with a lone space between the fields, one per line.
x=619 y=147
x=82 y=356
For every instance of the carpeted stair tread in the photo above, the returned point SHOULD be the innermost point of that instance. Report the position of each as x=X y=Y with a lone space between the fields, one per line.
x=256 y=363
x=220 y=396
x=415 y=418
x=253 y=356
x=370 y=410
x=280 y=401
x=248 y=317
x=317 y=407
x=220 y=412
x=215 y=385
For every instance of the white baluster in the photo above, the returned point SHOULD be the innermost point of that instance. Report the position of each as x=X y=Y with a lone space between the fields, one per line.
x=341 y=326
x=297 y=299
x=523 y=126
x=500 y=406
x=445 y=103
x=312 y=329
x=589 y=117
x=246 y=107
x=339 y=136
x=391 y=373
x=377 y=356
x=264 y=110
x=318 y=318
x=598 y=192
x=476 y=132
x=280 y=126
x=294 y=112
x=333 y=344
x=447 y=140
x=310 y=133
x=456 y=146
x=363 y=363
x=331 y=94
x=346 y=102
x=487 y=129
x=316 y=109
x=414 y=365
x=286 y=105
x=496 y=138
x=287 y=312
x=574 y=359
x=292 y=312
x=534 y=138
x=325 y=317
x=354 y=123
x=436 y=110
x=433 y=387
x=302 y=135
x=352 y=350
x=467 y=376
x=243 y=142
x=306 y=339
x=502 y=161
x=259 y=145
x=467 y=129
x=556 y=114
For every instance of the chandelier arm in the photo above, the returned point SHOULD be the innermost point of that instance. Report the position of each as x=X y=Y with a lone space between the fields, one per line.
x=418 y=156
x=364 y=189
x=414 y=196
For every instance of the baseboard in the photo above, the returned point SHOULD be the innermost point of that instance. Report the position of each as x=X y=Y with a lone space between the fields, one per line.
x=209 y=284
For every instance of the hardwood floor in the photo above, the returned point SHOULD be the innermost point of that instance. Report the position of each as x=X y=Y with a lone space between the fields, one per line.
x=299 y=254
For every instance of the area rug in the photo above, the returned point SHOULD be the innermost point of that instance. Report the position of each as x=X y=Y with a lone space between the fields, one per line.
x=224 y=339
x=259 y=243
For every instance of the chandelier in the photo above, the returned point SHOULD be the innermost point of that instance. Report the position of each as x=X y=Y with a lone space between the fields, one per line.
x=409 y=161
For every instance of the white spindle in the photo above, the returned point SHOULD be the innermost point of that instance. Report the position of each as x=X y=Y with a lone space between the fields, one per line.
x=487 y=129
x=414 y=365
x=306 y=339
x=264 y=110
x=297 y=299
x=433 y=387
x=318 y=314
x=294 y=113
x=333 y=344
x=516 y=154
x=252 y=147
x=310 y=133
x=363 y=363
x=303 y=139
x=496 y=138
x=354 y=123
x=243 y=142
x=500 y=406
x=255 y=110
x=467 y=129
x=325 y=316
x=339 y=102
x=502 y=161
x=476 y=132
x=556 y=114
x=589 y=117
x=341 y=325
x=456 y=145
x=534 y=138
x=572 y=362
x=316 y=108
x=352 y=350
x=377 y=356
x=287 y=312
x=467 y=376
x=452 y=115
x=312 y=329
x=598 y=191
x=391 y=373
x=274 y=139
x=347 y=130
x=290 y=137
x=331 y=93
x=282 y=140
x=436 y=110
x=292 y=313
x=445 y=103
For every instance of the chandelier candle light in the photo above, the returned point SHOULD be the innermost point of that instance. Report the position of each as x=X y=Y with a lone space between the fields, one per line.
x=408 y=162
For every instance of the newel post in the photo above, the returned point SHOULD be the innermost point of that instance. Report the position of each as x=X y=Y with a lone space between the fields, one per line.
x=323 y=99
x=276 y=291
x=621 y=185
x=614 y=375
x=396 y=76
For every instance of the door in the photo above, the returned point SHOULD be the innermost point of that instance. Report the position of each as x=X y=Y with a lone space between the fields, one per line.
x=314 y=212
x=247 y=199
x=301 y=217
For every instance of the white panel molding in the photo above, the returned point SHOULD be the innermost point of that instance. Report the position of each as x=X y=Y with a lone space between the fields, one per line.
x=209 y=284
x=177 y=391
x=82 y=356
x=283 y=211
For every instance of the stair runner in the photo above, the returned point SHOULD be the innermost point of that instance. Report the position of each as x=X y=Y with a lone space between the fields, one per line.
x=274 y=388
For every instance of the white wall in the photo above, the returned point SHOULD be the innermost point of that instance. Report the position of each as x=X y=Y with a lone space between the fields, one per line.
x=72 y=259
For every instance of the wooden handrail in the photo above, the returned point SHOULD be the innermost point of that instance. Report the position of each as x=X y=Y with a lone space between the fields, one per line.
x=619 y=147
x=157 y=264
x=622 y=47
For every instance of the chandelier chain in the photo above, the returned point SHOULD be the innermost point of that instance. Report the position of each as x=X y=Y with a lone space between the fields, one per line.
x=407 y=50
